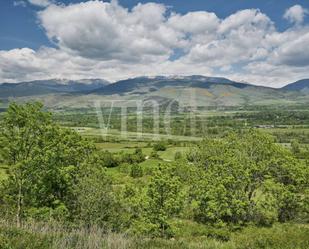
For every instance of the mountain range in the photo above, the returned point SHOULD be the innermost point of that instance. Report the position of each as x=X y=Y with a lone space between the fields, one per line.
x=204 y=91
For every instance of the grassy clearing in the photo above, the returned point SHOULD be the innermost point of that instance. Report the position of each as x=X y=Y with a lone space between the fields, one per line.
x=121 y=145
x=36 y=236
x=129 y=147
x=169 y=153
x=131 y=136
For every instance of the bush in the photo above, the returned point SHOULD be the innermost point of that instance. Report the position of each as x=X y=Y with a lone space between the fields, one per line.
x=178 y=155
x=136 y=157
x=154 y=154
x=136 y=171
x=108 y=160
x=14 y=238
x=160 y=146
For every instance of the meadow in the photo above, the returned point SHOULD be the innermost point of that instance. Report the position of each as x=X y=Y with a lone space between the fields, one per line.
x=45 y=236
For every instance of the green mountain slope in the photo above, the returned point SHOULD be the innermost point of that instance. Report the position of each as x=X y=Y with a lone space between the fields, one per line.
x=186 y=91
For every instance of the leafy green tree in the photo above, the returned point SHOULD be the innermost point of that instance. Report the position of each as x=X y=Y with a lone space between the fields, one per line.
x=42 y=157
x=295 y=147
x=93 y=195
x=108 y=160
x=233 y=173
x=136 y=157
x=159 y=146
x=165 y=199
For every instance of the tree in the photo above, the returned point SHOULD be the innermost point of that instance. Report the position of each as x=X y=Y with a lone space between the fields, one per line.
x=108 y=160
x=160 y=146
x=295 y=147
x=165 y=199
x=231 y=186
x=42 y=157
x=136 y=170
x=94 y=201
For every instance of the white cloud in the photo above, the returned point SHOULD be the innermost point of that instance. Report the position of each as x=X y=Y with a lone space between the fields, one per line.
x=26 y=64
x=97 y=39
x=239 y=38
x=294 y=53
x=247 y=19
x=106 y=31
x=40 y=3
x=295 y=14
x=199 y=22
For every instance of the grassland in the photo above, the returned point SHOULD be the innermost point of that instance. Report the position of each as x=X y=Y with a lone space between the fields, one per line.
x=53 y=236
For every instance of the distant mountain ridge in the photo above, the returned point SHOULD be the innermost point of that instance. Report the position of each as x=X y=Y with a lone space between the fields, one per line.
x=158 y=82
x=207 y=91
x=298 y=85
x=40 y=87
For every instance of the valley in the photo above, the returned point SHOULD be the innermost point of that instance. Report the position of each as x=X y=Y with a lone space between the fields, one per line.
x=176 y=140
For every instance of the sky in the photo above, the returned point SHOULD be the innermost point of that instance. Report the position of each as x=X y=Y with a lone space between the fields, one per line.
x=264 y=42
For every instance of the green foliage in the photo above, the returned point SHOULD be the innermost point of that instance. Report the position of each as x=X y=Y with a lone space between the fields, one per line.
x=165 y=198
x=247 y=177
x=136 y=157
x=154 y=154
x=295 y=146
x=34 y=236
x=136 y=171
x=178 y=155
x=209 y=198
x=159 y=146
x=42 y=160
x=108 y=160
x=94 y=201
x=13 y=238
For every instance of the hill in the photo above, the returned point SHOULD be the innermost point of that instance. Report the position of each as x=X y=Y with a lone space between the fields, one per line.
x=299 y=85
x=184 y=90
x=41 y=87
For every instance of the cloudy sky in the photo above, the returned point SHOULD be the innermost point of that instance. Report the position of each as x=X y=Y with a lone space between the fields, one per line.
x=264 y=42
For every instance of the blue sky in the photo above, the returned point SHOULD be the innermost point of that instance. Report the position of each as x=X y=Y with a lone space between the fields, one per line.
x=19 y=25
x=183 y=35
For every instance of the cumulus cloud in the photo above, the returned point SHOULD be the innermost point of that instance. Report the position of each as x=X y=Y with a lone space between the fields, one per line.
x=98 y=39
x=199 y=22
x=106 y=31
x=26 y=64
x=40 y=3
x=295 y=14
x=294 y=53
x=238 y=38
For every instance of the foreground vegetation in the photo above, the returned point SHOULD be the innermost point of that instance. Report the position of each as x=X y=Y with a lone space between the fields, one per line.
x=62 y=190
x=44 y=236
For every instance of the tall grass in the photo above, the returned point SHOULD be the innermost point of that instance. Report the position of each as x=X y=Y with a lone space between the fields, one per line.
x=32 y=235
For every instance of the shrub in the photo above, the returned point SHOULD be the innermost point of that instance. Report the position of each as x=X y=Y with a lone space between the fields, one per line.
x=136 y=171
x=160 y=146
